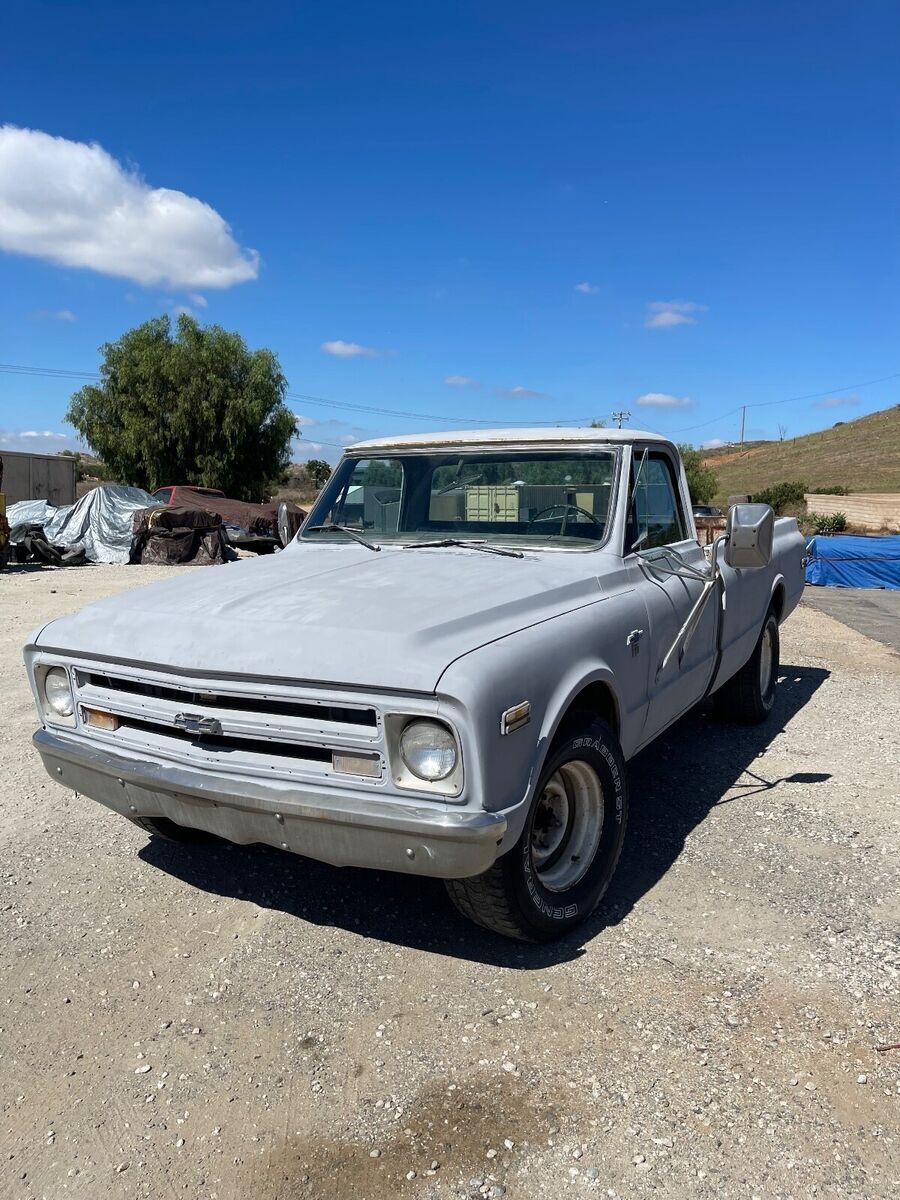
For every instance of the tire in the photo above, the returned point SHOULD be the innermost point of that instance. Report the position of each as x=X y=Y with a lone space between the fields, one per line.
x=539 y=890
x=162 y=827
x=749 y=696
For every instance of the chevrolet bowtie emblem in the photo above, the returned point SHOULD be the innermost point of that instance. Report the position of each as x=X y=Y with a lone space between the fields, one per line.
x=193 y=723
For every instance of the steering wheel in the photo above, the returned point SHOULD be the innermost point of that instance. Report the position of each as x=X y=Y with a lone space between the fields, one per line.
x=546 y=514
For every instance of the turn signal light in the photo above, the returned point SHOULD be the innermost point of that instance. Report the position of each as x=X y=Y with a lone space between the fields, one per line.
x=100 y=720
x=368 y=765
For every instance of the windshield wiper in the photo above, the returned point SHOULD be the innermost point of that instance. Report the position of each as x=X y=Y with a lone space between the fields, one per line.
x=357 y=537
x=466 y=545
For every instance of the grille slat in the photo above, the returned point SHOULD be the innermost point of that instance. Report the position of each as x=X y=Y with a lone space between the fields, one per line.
x=337 y=714
x=222 y=744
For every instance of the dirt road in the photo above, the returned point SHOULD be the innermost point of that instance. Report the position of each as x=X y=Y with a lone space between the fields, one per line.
x=240 y=1024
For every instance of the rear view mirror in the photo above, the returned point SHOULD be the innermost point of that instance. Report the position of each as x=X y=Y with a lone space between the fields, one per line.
x=749 y=532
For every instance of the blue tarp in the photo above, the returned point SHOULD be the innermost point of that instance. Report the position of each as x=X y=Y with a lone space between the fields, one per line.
x=857 y=562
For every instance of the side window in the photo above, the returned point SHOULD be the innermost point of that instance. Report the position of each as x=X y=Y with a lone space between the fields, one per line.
x=371 y=497
x=655 y=518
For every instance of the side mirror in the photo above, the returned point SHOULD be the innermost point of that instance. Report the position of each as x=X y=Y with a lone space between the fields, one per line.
x=749 y=532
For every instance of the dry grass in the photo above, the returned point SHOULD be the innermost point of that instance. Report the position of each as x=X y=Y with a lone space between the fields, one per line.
x=862 y=455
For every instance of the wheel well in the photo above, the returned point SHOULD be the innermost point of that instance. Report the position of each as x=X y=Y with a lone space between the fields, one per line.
x=598 y=699
x=778 y=602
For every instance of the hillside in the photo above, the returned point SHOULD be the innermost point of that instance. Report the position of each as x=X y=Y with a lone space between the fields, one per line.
x=862 y=455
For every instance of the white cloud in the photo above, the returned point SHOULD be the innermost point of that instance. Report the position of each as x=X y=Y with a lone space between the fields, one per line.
x=838 y=402
x=341 y=349
x=588 y=289
x=74 y=204
x=198 y=301
x=520 y=393
x=304 y=422
x=664 y=314
x=59 y=314
x=38 y=441
x=664 y=400
x=713 y=444
x=461 y=381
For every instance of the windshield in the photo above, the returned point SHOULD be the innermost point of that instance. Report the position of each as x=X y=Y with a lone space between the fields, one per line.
x=520 y=498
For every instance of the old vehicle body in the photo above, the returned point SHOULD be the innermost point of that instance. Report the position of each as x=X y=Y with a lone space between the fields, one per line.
x=171 y=494
x=246 y=524
x=475 y=632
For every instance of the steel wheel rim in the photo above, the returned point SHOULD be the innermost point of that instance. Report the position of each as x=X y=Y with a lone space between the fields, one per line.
x=766 y=656
x=567 y=826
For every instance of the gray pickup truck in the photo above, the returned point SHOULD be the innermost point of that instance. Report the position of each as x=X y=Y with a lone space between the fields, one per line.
x=444 y=673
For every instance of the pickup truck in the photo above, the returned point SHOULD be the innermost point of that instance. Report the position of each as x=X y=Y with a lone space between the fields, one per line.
x=444 y=673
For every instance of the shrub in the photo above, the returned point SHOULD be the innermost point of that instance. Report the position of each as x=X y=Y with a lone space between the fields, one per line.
x=780 y=495
x=837 y=490
x=833 y=523
x=702 y=481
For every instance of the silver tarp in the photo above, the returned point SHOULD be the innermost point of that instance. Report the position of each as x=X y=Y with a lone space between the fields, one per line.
x=100 y=521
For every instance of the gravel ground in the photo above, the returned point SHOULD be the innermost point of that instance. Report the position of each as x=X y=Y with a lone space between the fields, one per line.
x=239 y=1023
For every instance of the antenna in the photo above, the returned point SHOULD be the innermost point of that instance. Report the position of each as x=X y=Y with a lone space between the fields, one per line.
x=620 y=417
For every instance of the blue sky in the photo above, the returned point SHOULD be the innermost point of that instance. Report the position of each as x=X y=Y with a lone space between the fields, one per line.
x=420 y=188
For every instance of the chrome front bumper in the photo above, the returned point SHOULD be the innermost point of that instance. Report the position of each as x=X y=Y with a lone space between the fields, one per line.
x=347 y=829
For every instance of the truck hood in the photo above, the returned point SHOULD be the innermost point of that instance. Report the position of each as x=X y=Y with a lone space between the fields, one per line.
x=331 y=614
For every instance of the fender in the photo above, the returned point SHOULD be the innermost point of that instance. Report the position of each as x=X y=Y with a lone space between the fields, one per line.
x=779 y=582
x=579 y=677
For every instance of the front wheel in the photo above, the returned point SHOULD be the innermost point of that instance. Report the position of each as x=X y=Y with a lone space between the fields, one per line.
x=749 y=696
x=557 y=872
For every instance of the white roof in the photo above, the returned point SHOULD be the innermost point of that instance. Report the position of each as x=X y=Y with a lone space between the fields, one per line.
x=514 y=437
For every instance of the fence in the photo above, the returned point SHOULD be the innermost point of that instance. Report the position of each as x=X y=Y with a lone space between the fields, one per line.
x=868 y=510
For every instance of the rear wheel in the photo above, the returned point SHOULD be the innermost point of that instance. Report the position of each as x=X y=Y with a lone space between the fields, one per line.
x=749 y=696
x=557 y=872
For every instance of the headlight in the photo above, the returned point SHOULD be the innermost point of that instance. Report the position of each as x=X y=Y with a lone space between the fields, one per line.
x=58 y=693
x=428 y=749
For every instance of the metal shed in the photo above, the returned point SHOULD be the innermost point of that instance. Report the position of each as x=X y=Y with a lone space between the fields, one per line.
x=49 y=477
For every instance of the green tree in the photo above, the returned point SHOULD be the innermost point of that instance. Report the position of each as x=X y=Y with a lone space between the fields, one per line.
x=189 y=406
x=702 y=481
x=318 y=470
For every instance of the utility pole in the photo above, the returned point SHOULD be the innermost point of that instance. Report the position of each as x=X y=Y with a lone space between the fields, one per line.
x=619 y=417
x=743 y=418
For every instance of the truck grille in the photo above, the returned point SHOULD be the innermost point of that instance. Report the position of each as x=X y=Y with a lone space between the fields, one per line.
x=239 y=728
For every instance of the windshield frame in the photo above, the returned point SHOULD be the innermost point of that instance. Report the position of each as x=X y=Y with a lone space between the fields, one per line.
x=324 y=501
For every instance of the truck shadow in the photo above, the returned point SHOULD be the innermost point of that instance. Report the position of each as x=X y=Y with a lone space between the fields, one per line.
x=697 y=765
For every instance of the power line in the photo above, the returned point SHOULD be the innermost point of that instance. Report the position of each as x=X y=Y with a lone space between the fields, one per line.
x=346 y=406
x=395 y=412
x=845 y=387
x=320 y=401
x=52 y=372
